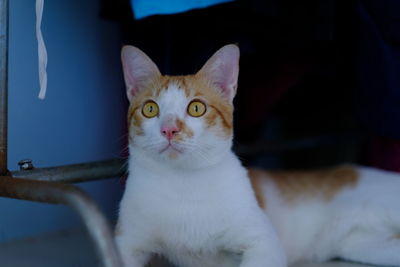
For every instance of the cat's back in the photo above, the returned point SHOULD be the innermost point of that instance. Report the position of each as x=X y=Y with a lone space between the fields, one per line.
x=293 y=186
x=297 y=203
x=321 y=206
x=325 y=184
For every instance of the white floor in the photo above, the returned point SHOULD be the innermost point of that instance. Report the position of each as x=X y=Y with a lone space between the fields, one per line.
x=72 y=248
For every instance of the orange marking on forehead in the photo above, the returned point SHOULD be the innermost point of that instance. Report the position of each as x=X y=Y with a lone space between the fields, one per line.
x=182 y=84
x=166 y=81
x=163 y=84
x=325 y=183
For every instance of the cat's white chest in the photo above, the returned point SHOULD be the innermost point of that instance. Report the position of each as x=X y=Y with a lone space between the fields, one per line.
x=194 y=237
x=188 y=220
x=185 y=212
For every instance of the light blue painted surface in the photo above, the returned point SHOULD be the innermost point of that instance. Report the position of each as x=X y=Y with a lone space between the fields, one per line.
x=83 y=114
x=145 y=8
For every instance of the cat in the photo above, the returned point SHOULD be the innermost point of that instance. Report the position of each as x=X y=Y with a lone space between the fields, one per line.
x=189 y=198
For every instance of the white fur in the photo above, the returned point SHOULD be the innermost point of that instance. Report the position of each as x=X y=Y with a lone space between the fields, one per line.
x=197 y=209
x=359 y=224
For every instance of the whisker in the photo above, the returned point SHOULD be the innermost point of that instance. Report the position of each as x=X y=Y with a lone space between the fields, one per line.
x=199 y=149
x=123 y=137
x=124 y=150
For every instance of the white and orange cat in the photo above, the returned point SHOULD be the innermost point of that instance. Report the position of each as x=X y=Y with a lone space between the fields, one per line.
x=189 y=198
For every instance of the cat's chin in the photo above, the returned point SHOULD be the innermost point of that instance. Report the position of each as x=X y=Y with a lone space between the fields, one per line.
x=171 y=148
x=171 y=151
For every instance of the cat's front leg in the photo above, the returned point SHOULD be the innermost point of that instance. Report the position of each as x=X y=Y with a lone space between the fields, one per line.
x=263 y=255
x=132 y=253
x=135 y=258
x=258 y=244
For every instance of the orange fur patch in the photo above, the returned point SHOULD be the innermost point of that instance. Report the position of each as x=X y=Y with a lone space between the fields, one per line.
x=219 y=111
x=223 y=115
x=256 y=179
x=135 y=116
x=397 y=236
x=184 y=128
x=325 y=183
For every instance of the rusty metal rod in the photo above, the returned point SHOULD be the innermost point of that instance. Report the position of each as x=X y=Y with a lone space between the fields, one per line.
x=76 y=172
x=3 y=85
x=58 y=193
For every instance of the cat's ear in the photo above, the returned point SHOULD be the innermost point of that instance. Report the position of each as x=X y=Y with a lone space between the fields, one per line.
x=222 y=69
x=138 y=69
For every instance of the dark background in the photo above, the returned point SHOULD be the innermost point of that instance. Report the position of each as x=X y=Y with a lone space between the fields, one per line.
x=318 y=83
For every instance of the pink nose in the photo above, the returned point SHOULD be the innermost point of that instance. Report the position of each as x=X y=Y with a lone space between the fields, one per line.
x=169 y=131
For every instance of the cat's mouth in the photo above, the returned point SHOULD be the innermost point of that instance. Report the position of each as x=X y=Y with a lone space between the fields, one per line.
x=171 y=147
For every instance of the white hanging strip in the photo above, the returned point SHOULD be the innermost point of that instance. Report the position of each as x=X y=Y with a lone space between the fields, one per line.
x=42 y=53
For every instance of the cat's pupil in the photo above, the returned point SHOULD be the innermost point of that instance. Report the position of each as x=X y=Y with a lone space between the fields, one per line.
x=151 y=109
x=196 y=108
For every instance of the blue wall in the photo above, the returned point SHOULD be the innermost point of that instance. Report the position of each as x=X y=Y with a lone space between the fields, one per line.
x=81 y=119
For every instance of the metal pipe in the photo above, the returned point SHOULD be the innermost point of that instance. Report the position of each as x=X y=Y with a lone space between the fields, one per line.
x=76 y=172
x=3 y=85
x=58 y=193
x=50 y=192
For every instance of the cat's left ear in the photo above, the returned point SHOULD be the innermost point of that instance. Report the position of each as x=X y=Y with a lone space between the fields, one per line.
x=222 y=69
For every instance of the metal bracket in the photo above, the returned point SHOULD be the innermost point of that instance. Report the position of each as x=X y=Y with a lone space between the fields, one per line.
x=58 y=193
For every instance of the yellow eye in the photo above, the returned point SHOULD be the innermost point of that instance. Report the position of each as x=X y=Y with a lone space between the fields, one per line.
x=196 y=108
x=150 y=109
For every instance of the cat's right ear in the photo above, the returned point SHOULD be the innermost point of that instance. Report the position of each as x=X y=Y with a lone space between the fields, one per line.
x=138 y=70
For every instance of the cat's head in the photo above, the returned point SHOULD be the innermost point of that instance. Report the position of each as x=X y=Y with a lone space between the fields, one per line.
x=185 y=121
